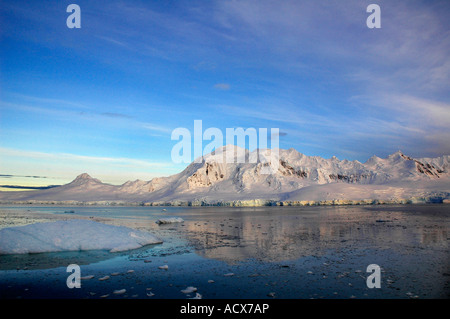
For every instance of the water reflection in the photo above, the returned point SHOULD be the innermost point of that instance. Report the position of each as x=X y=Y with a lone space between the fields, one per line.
x=434 y=236
x=290 y=233
x=266 y=233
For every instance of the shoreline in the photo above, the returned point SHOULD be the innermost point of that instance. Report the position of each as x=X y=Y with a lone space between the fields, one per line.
x=236 y=203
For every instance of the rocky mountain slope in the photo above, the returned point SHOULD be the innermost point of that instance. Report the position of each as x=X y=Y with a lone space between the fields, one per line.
x=297 y=178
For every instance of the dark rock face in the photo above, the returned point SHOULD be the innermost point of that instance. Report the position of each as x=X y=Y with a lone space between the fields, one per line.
x=426 y=169
x=207 y=175
x=287 y=170
x=348 y=178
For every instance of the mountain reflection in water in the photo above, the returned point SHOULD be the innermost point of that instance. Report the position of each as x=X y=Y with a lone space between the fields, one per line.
x=267 y=234
x=287 y=233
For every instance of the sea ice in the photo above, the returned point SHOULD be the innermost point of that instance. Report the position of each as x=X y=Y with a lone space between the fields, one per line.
x=197 y=296
x=119 y=292
x=189 y=289
x=169 y=220
x=72 y=235
x=229 y=274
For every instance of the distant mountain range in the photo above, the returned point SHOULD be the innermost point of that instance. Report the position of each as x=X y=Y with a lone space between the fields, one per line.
x=298 y=180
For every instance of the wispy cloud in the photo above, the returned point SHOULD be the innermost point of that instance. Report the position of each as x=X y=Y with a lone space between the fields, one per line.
x=205 y=66
x=50 y=101
x=27 y=176
x=156 y=128
x=116 y=115
x=119 y=120
x=281 y=112
x=290 y=64
x=19 y=187
x=113 y=41
x=421 y=112
x=124 y=162
x=222 y=86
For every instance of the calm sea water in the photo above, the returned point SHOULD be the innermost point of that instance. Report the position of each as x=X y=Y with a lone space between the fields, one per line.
x=262 y=252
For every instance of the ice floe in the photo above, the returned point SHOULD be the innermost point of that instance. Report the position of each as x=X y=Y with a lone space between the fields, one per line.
x=72 y=235
x=189 y=290
x=169 y=220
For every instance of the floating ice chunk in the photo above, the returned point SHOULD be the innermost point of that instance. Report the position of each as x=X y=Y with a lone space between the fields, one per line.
x=87 y=277
x=169 y=220
x=119 y=292
x=104 y=278
x=189 y=289
x=72 y=235
x=229 y=274
x=165 y=267
x=197 y=296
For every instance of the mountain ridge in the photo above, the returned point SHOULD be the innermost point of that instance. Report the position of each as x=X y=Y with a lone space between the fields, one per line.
x=298 y=177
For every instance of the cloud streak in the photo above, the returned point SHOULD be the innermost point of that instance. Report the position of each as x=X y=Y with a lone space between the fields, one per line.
x=27 y=176
x=222 y=86
x=125 y=162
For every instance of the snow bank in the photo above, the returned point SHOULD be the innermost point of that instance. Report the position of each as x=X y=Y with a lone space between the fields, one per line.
x=72 y=235
x=169 y=220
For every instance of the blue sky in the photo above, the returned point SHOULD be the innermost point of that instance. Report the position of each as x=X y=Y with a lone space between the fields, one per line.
x=105 y=98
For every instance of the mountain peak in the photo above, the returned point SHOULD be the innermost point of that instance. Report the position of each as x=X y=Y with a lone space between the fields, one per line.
x=230 y=148
x=84 y=178
x=373 y=160
x=221 y=152
x=399 y=155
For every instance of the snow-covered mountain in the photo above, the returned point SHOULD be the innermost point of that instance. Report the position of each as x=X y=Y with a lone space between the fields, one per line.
x=297 y=178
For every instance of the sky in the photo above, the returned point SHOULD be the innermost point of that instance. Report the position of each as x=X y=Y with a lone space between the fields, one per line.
x=104 y=98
